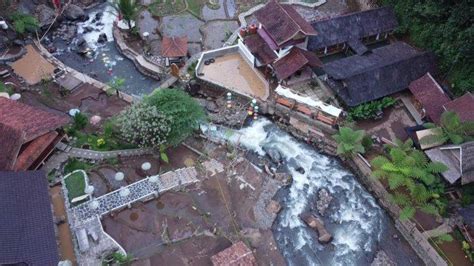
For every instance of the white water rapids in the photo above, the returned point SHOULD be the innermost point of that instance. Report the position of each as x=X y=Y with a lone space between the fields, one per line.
x=354 y=219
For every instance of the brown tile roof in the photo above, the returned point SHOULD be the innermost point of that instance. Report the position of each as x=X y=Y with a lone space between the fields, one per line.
x=428 y=92
x=174 y=46
x=260 y=49
x=463 y=106
x=20 y=124
x=282 y=22
x=33 y=150
x=238 y=254
x=294 y=61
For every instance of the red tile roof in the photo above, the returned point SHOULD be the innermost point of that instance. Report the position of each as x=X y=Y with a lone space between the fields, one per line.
x=33 y=150
x=282 y=22
x=174 y=46
x=294 y=61
x=20 y=124
x=463 y=106
x=238 y=254
x=428 y=92
x=260 y=49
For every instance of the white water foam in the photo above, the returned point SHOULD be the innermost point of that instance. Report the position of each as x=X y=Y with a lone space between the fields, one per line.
x=106 y=21
x=355 y=218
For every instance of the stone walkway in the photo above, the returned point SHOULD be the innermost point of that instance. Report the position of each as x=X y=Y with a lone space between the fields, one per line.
x=100 y=155
x=140 y=190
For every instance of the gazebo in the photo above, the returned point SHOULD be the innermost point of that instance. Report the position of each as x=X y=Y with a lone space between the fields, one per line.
x=174 y=49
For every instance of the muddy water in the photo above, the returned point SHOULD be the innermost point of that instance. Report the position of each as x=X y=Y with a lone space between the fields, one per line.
x=232 y=71
x=66 y=247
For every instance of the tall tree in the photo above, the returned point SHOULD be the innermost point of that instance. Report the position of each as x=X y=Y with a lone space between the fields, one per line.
x=410 y=177
x=451 y=129
x=128 y=10
x=185 y=113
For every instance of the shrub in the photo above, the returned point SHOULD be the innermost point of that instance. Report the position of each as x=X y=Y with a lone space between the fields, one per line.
x=184 y=112
x=75 y=164
x=370 y=110
x=24 y=22
x=144 y=126
x=80 y=121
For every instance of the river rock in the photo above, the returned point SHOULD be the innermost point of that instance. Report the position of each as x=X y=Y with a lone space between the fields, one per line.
x=45 y=15
x=273 y=153
x=88 y=29
x=318 y=225
x=382 y=259
x=273 y=207
x=324 y=199
x=102 y=38
x=300 y=170
x=212 y=106
x=98 y=16
x=74 y=12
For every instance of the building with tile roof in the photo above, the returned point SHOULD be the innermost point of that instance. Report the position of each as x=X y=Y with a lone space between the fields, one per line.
x=352 y=30
x=174 y=48
x=236 y=255
x=27 y=234
x=429 y=94
x=386 y=70
x=463 y=106
x=27 y=135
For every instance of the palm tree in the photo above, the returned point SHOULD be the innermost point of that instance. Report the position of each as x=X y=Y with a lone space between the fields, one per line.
x=349 y=141
x=128 y=9
x=451 y=129
x=410 y=176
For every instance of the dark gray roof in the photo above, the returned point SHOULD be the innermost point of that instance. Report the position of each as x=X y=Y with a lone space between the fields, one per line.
x=352 y=26
x=357 y=46
x=26 y=220
x=467 y=162
x=467 y=214
x=386 y=70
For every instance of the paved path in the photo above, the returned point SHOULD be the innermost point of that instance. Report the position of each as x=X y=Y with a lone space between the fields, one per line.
x=100 y=155
x=411 y=108
x=138 y=191
x=440 y=230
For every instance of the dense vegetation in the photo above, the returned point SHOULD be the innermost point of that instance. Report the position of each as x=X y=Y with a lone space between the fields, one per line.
x=23 y=22
x=451 y=129
x=371 y=109
x=185 y=113
x=413 y=180
x=446 y=28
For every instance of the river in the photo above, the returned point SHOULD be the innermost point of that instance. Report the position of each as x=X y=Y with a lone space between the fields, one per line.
x=107 y=63
x=359 y=226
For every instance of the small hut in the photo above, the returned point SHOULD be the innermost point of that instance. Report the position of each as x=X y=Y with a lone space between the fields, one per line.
x=174 y=50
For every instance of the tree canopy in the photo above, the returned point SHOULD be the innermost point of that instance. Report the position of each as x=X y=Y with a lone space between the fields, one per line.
x=446 y=28
x=349 y=141
x=184 y=112
x=411 y=178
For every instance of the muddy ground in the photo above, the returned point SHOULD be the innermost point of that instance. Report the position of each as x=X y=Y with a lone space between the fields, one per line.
x=187 y=227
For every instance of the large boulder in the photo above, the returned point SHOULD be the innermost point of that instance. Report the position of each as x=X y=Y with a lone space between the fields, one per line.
x=74 y=13
x=324 y=199
x=318 y=225
x=273 y=153
x=45 y=15
x=102 y=38
x=382 y=259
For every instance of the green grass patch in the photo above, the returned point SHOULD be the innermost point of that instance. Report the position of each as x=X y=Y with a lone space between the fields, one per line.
x=195 y=7
x=75 y=164
x=163 y=8
x=75 y=184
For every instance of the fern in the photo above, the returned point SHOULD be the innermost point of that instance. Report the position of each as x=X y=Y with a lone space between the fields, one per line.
x=407 y=213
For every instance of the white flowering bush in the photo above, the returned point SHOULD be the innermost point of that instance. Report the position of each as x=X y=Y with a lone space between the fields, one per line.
x=144 y=125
